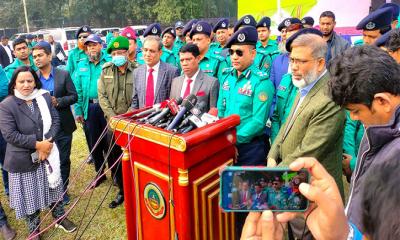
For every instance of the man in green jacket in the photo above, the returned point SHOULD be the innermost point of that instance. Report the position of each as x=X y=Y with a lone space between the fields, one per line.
x=23 y=57
x=87 y=108
x=168 y=54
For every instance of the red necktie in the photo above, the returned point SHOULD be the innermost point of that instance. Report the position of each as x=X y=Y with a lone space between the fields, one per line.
x=187 y=90
x=150 y=89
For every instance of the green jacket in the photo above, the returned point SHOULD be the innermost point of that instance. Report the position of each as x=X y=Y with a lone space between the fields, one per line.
x=74 y=57
x=316 y=131
x=16 y=64
x=170 y=57
x=115 y=90
x=87 y=76
x=353 y=134
x=266 y=55
x=249 y=96
x=3 y=84
x=212 y=64
x=285 y=96
x=178 y=44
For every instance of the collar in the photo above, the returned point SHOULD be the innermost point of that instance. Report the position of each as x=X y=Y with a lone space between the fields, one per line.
x=155 y=67
x=304 y=91
x=50 y=76
x=245 y=74
x=194 y=76
x=259 y=44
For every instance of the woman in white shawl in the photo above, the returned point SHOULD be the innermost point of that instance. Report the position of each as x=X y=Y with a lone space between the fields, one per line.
x=29 y=123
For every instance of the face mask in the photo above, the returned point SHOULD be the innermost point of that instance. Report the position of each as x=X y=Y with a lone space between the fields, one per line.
x=118 y=60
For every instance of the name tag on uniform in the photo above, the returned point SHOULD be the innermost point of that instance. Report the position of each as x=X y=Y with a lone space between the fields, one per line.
x=83 y=69
x=245 y=91
x=225 y=86
x=107 y=76
x=282 y=88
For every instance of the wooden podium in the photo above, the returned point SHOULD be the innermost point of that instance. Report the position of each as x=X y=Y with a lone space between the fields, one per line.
x=171 y=181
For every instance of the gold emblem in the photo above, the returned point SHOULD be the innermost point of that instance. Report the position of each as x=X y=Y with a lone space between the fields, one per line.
x=116 y=44
x=262 y=96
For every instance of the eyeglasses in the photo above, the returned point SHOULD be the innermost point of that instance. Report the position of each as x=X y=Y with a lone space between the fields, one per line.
x=237 y=52
x=83 y=37
x=299 y=61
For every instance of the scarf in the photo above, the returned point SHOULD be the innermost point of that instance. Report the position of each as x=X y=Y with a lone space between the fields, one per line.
x=53 y=160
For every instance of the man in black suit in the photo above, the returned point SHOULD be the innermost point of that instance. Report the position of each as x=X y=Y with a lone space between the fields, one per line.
x=63 y=94
x=152 y=79
x=6 y=56
x=57 y=52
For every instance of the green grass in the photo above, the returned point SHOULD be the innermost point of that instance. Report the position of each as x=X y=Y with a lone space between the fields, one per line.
x=107 y=223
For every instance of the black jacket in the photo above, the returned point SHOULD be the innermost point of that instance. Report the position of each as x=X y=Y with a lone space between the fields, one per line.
x=21 y=129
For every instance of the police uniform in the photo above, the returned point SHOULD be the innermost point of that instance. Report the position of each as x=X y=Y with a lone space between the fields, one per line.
x=169 y=56
x=178 y=44
x=115 y=90
x=87 y=75
x=153 y=29
x=211 y=64
x=223 y=23
x=377 y=20
x=76 y=55
x=246 y=20
x=266 y=55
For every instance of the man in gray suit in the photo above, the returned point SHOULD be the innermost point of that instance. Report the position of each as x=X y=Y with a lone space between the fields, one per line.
x=63 y=94
x=193 y=80
x=152 y=79
x=56 y=48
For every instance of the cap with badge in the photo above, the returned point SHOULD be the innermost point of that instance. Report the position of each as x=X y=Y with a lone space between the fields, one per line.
x=378 y=19
x=244 y=36
x=395 y=9
x=223 y=23
x=43 y=44
x=179 y=24
x=94 y=38
x=29 y=36
x=169 y=30
x=287 y=22
x=307 y=21
x=246 y=20
x=382 y=40
x=83 y=29
x=152 y=29
x=201 y=27
x=303 y=31
x=264 y=22
x=119 y=42
x=188 y=27
x=129 y=33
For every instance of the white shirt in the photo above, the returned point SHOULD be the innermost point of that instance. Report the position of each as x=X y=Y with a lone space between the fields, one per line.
x=8 y=53
x=155 y=75
x=53 y=49
x=191 y=84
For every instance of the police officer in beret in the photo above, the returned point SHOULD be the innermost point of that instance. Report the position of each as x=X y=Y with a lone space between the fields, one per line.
x=246 y=20
x=186 y=30
x=168 y=55
x=246 y=91
x=395 y=13
x=375 y=24
x=222 y=35
x=87 y=108
x=153 y=29
x=308 y=22
x=267 y=49
x=115 y=90
x=180 y=38
x=130 y=34
x=210 y=63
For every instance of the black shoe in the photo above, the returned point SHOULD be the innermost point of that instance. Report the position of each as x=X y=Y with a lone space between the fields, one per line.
x=66 y=225
x=117 y=201
x=98 y=182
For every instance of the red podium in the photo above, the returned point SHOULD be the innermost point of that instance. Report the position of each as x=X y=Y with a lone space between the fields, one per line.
x=171 y=181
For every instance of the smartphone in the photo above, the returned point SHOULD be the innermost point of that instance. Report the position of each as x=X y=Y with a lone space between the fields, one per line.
x=35 y=157
x=245 y=189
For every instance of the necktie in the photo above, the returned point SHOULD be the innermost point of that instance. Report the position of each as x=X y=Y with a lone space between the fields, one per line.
x=187 y=90
x=150 y=88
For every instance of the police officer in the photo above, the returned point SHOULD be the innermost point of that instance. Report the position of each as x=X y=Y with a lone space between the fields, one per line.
x=87 y=108
x=210 y=63
x=115 y=92
x=267 y=49
x=186 y=30
x=168 y=55
x=180 y=38
x=395 y=13
x=375 y=25
x=78 y=53
x=130 y=34
x=246 y=91
x=246 y=20
x=308 y=22
x=222 y=35
x=152 y=29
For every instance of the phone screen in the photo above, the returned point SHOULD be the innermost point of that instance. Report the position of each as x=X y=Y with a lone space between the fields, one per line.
x=258 y=189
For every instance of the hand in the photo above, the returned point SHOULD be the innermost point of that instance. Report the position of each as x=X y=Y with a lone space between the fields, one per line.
x=44 y=148
x=80 y=119
x=262 y=227
x=271 y=162
x=54 y=101
x=326 y=218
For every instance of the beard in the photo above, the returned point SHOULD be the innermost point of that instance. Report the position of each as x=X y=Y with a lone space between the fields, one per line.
x=94 y=57
x=310 y=77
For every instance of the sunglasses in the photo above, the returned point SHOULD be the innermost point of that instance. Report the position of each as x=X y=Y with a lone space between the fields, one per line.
x=238 y=52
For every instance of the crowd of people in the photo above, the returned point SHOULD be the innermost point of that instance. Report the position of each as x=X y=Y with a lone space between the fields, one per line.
x=308 y=94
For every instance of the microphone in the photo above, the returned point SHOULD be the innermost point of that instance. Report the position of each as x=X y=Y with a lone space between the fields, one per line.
x=155 y=108
x=186 y=105
x=196 y=121
x=172 y=107
x=196 y=111
x=211 y=116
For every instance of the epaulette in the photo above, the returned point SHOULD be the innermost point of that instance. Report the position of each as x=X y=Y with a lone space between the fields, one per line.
x=218 y=57
x=227 y=70
x=106 y=65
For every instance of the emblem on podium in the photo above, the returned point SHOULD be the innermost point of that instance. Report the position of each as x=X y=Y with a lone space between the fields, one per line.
x=154 y=201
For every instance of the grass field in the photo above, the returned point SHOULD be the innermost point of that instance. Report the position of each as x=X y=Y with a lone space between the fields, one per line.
x=107 y=223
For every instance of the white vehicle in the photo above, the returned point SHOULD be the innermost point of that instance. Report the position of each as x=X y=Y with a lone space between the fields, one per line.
x=65 y=36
